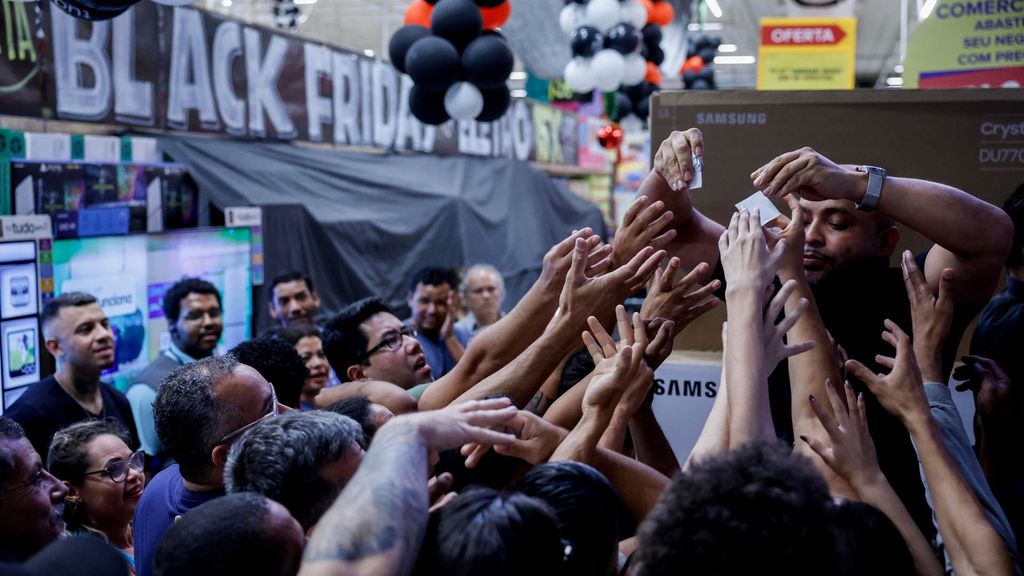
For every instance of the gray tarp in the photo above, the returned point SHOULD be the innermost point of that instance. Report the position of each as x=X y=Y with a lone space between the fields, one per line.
x=362 y=224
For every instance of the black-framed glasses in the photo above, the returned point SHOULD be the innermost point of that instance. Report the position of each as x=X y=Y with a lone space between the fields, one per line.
x=235 y=433
x=391 y=341
x=118 y=470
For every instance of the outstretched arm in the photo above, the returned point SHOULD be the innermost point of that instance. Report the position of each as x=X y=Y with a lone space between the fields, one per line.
x=376 y=525
x=972 y=236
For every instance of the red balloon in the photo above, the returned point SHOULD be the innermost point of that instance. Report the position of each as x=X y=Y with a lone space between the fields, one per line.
x=497 y=16
x=653 y=74
x=693 y=64
x=610 y=136
x=649 y=6
x=419 y=13
x=663 y=13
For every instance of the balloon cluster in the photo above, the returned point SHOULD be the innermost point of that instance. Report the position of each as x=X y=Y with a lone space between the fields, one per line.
x=635 y=98
x=457 y=59
x=613 y=42
x=696 y=69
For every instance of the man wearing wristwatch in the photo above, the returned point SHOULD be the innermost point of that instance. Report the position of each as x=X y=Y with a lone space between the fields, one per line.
x=850 y=216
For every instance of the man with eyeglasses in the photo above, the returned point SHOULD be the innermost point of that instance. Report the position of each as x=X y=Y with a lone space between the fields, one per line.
x=202 y=408
x=193 y=310
x=31 y=499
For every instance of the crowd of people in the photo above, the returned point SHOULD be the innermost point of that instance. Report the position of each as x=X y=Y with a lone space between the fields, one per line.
x=499 y=442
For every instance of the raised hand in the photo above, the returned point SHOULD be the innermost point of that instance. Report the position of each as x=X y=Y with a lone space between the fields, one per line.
x=674 y=159
x=901 y=391
x=535 y=440
x=991 y=387
x=810 y=175
x=849 y=450
x=644 y=224
x=465 y=422
x=747 y=263
x=682 y=301
x=615 y=364
x=584 y=295
x=792 y=265
x=932 y=317
x=660 y=346
x=559 y=258
x=775 y=346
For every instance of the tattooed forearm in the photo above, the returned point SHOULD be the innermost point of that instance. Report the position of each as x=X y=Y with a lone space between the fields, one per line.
x=376 y=525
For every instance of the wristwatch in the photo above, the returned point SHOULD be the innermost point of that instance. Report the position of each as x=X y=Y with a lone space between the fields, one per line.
x=876 y=177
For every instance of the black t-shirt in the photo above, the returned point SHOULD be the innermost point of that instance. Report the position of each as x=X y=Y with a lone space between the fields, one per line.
x=853 y=306
x=45 y=408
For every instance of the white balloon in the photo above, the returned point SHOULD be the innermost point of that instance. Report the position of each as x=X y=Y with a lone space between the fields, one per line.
x=633 y=12
x=571 y=18
x=579 y=75
x=463 y=101
x=634 y=70
x=602 y=14
x=608 y=67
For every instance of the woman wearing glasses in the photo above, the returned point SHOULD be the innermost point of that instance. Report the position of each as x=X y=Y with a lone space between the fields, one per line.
x=104 y=480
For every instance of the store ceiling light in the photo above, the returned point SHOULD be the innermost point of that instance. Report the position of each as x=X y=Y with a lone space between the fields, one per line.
x=517 y=76
x=368 y=52
x=894 y=81
x=898 y=68
x=707 y=26
x=518 y=93
x=714 y=7
x=727 y=48
x=735 y=59
x=226 y=3
x=300 y=2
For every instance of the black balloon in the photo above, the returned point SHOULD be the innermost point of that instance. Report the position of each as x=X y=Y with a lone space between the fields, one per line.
x=487 y=62
x=689 y=77
x=496 y=103
x=431 y=2
x=643 y=108
x=656 y=54
x=634 y=93
x=586 y=41
x=489 y=3
x=707 y=55
x=650 y=88
x=623 y=106
x=433 y=63
x=108 y=5
x=426 y=106
x=623 y=38
x=701 y=42
x=652 y=34
x=401 y=41
x=701 y=84
x=458 y=21
x=92 y=12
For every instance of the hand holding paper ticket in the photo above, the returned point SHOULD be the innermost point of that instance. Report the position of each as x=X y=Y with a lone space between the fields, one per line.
x=674 y=160
x=758 y=201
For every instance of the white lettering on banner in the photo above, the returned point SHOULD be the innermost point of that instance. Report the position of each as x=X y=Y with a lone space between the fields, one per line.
x=385 y=104
x=365 y=101
x=345 y=97
x=522 y=130
x=71 y=55
x=803 y=35
x=133 y=99
x=189 y=59
x=227 y=46
x=317 y=59
x=262 y=74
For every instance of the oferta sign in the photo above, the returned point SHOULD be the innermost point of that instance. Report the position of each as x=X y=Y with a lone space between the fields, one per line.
x=968 y=44
x=807 y=54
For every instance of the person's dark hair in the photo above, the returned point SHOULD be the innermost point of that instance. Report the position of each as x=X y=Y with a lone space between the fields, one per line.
x=759 y=505
x=68 y=461
x=227 y=535
x=1014 y=207
x=587 y=508
x=290 y=277
x=434 y=276
x=281 y=458
x=483 y=531
x=344 y=341
x=292 y=334
x=182 y=288
x=358 y=409
x=279 y=363
x=867 y=542
x=189 y=417
x=9 y=431
x=52 y=308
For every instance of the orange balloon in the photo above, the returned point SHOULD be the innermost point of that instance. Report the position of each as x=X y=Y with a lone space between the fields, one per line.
x=497 y=16
x=649 y=6
x=663 y=13
x=419 y=13
x=693 y=64
x=653 y=74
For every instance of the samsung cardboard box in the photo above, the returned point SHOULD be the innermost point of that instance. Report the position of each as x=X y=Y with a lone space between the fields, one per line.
x=970 y=139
